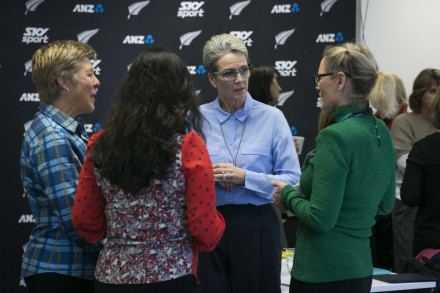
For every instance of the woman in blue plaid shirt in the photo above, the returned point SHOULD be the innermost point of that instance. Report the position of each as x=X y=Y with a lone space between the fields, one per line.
x=57 y=259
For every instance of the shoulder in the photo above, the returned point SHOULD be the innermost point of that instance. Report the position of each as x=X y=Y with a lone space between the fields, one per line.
x=264 y=111
x=192 y=138
x=427 y=148
x=405 y=118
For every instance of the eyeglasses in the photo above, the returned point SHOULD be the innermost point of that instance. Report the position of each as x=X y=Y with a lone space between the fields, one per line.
x=317 y=77
x=231 y=75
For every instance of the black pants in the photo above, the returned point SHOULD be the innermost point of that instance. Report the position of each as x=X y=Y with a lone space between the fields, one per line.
x=248 y=257
x=403 y=234
x=57 y=283
x=360 y=285
x=185 y=284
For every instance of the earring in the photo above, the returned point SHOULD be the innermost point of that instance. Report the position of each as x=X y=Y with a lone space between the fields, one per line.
x=67 y=90
x=214 y=86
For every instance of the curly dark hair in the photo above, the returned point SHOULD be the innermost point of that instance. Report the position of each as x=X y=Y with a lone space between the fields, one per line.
x=156 y=100
x=260 y=81
x=422 y=83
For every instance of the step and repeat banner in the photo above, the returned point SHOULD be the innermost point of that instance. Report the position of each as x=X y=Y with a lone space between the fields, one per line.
x=289 y=36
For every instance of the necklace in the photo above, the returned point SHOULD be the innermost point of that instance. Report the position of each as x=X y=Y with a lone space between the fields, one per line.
x=234 y=159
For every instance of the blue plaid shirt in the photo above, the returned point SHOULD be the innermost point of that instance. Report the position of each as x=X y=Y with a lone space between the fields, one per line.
x=53 y=151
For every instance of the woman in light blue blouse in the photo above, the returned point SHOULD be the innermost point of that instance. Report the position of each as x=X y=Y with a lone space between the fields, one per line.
x=250 y=144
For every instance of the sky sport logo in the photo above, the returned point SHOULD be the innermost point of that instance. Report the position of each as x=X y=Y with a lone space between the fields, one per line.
x=85 y=36
x=186 y=39
x=327 y=5
x=138 y=40
x=194 y=70
x=30 y=97
x=88 y=8
x=281 y=38
x=190 y=9
x=238 y=7
x=286 y=68
x=136 y=7
x=36 y=35
x=284 y=8
x=95 y=64
x=244 y=36
x=31 y=5
x=330 y=38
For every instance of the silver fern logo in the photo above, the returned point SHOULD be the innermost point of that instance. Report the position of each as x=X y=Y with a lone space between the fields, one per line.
x=327 y=5
x=282 y=37
x=28 y=67
x=85 y=36
x=27 y=125
x=135 y=8
x=283 y=97
x=186 y=39
x=238 y=7
x=31 y=5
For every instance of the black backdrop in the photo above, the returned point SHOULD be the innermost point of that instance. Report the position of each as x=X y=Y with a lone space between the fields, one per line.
x=289 y=36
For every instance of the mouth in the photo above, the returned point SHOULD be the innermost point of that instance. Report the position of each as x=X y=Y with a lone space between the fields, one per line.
x=239 y=89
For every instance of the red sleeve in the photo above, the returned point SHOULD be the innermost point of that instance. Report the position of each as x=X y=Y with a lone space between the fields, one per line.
x=88 y=215
x=204 y=222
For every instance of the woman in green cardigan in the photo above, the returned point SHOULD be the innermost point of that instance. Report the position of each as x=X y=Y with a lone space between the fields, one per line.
x=348 y=181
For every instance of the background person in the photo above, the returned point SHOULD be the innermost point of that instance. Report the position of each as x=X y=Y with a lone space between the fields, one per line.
x=152 y=192
x=264 y=85
x=250 y=144
x=405 y=131
x=348 y=181
x=382 y=231
x=421 y=187
x=56 y=258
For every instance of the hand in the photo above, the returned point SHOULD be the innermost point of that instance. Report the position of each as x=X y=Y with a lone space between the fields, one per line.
x=227 y=186
x=228 y=173
x=277 y=194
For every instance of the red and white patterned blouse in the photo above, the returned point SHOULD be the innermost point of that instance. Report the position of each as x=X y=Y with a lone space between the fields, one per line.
x=155 y=235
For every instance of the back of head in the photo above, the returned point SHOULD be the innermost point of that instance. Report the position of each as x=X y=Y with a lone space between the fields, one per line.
x=360 y=66
x=401 y=96
x=57 y=59
x=422 y=83
x=220 y=45
x=260 y=81
x=156 y=100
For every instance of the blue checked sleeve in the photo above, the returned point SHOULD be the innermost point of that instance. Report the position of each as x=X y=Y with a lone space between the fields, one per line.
x=57 y=160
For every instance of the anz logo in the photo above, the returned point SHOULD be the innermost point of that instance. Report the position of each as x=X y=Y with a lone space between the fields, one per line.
x=285 y=8
x=138 y=40
x=90 y=128
x=30 y=97
x=330 y=38
x=193 y=70
x=88 y=8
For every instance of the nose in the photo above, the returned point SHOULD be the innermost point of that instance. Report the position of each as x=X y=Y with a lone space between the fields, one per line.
x=97 y=82
x=240 y=78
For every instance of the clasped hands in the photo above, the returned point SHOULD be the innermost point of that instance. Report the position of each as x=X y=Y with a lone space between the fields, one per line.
x=227 y=175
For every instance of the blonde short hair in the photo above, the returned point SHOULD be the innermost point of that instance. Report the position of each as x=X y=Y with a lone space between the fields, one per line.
x=57 y=59
x=220 y=45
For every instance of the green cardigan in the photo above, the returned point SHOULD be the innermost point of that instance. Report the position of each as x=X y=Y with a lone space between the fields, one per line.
x=348 y=181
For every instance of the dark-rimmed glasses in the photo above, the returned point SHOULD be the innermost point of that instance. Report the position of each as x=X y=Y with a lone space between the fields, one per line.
x=317 y=77
x=231 y=75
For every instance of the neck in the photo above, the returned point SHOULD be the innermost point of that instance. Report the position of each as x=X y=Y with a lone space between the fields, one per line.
x=231 y=105
x=426 y=114
x=65 y=107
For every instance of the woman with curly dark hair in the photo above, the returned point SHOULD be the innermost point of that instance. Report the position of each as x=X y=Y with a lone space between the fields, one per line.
x=147 y=186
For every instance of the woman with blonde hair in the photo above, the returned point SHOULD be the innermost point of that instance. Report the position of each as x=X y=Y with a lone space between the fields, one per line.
x=348 y=181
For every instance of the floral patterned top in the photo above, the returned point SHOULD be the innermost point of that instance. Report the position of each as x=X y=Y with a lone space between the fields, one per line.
x=154 y=235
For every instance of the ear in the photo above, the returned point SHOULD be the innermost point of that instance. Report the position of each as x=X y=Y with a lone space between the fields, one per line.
x=62 y=82
x=212 y=80
x=341 y=79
